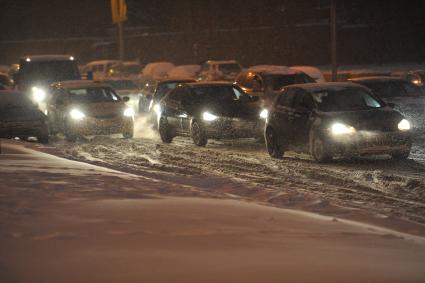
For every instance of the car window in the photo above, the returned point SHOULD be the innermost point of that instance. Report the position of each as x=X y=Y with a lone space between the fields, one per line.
x=286 y=98
x=93 y=94
x=303 y=99
x=348 y=99
x=177 y=94
x=276 y=82
x=122 y=84
x=215 y=93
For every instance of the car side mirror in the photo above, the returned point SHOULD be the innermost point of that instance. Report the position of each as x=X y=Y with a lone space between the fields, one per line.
x=126 y=99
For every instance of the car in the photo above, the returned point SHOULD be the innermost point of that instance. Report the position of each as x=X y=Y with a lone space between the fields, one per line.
x=185 y=71
x=84 y=108
x=416 y=77
x=126 y=87
x=208 y=110
x=99 y=69
x=335 y=119
x=155 y=71
x=407 y=97
x=20 y=117
x=216 y=70
x=37 y=72
x=265 y=81
x=126 y=69
x=162 y=87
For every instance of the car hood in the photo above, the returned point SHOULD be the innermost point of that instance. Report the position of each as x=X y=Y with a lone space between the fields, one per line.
x=384 y=119
x=20 y=115
x=101 y=109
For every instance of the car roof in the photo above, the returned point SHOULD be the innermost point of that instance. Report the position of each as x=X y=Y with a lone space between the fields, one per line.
x=48 y=57
x=378 y=79
x=312 y=87
x=210 y=84
x=80 y=83
x=222 y=62
x=272 y=70
x=183 y=80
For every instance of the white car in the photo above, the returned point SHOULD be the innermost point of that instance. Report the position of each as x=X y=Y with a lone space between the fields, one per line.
x=219 y=70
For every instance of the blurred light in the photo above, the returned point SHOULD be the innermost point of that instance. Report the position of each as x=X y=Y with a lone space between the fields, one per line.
x=404 y=125
x=38 y=94
x=342 y=129
x=264 y=114
x=157 y=108
x=207 y=116
x=129 y=112
x=71 y=58
x=77 y=114
x=28 y=59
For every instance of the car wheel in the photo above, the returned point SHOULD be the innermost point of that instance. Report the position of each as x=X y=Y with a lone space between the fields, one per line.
x=43 y=138
x=400 y=156
x=128 y=134
x=198 y=134
x=319 y=151
x=274 y=149
x=164 y=131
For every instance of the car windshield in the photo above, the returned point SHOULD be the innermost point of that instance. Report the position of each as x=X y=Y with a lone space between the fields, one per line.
x=276 y=82
x=229 y=68
x=348 y=99
x=53 y=70
x=93 y=94
x=122 y=84
x=390 y=89
x=165 y=87
x=15 y=100
x=217 y=94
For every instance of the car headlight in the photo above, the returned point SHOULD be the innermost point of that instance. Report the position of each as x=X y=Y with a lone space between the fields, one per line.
x=38 y=94
x=77 y=114
x=157 y=108
x=207 y=116
x=404 y=125
x=342 y=129
x=129 y=112
x=264 y=114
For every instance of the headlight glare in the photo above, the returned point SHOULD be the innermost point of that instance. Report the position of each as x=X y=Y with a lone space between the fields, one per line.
x=342 y=129
x=129 y=112
x=404 y=125
x=38 y=94
x=77 y=114
x=157 y=108
x=264 y=114
x=207 y=116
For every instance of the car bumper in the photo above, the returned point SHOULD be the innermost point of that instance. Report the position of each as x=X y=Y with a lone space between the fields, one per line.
x=23 y=129
x=364 y=143
x=234 y=128
x=97 y=126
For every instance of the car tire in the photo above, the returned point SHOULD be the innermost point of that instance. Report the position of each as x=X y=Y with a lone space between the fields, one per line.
x=198 y=134
x=164 y=130
x=274 y=149
x=319 y=151
x=400 y=156
x=128 y=134
x=43 y=139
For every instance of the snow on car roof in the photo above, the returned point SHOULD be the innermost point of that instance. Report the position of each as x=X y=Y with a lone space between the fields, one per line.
x=377 y=79
x=100 y=62
x=47 y=57
x=218 y=62
x=273 y=69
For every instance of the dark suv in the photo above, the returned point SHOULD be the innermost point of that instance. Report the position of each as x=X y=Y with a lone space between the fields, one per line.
x=208 y=110
x=335 y=119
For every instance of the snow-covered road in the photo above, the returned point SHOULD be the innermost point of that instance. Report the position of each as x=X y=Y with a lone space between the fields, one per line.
x=381 y=187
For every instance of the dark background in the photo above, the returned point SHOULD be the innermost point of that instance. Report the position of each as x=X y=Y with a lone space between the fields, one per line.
x=189 y=31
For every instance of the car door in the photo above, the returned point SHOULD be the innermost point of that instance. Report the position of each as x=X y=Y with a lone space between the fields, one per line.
x=280 y=114
x=171 y=107
x=300 y=116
